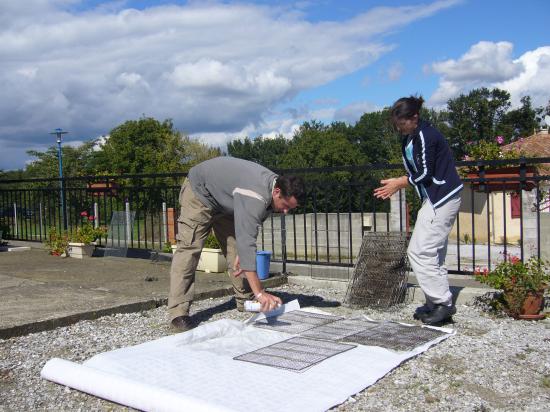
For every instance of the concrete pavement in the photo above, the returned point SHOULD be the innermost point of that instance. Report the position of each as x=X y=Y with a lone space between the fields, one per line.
x=40 y=292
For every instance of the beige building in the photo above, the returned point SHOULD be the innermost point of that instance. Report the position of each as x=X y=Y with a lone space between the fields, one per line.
x=496 y=214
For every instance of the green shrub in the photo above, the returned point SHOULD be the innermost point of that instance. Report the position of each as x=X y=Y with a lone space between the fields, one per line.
x=212 y=242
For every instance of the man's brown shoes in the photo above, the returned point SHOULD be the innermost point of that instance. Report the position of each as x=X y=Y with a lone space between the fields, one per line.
x=183 y=323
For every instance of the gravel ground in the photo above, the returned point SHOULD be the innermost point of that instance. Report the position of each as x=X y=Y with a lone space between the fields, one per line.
x=492 y=363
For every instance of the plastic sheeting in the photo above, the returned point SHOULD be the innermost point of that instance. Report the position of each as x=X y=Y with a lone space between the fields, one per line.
x=195 y=371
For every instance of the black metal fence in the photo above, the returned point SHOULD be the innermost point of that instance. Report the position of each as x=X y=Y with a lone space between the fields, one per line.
x=506 y=213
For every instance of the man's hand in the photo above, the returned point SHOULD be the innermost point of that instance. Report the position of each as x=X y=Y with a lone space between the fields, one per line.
x=237 y=267
x=390 y=186
x=268 y=302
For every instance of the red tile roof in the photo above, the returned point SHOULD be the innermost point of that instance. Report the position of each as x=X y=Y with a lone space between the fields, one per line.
x=537 y=145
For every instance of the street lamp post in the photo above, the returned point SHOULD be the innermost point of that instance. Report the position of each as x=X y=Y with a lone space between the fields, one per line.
x=59 y=132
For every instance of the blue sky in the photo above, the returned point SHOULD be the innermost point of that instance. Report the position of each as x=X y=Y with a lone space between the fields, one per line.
x=228 y=69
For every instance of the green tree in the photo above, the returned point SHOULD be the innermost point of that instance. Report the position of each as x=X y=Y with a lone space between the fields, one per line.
x=77 y=161
x=144 y=146
x=316 y=145
x=243 y=149
x=376 y=137
x=519 y=122
x=262 y=150
x=475 y=116
x=196 y=152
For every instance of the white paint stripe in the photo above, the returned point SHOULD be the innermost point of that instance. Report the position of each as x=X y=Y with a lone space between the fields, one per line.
x=249 y=193
x=449 y=195
x=423 y=158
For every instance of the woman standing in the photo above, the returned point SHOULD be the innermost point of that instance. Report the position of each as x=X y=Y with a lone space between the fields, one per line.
x=431 y=171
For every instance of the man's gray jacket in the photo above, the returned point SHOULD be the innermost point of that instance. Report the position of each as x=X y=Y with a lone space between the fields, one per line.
x=240 y=188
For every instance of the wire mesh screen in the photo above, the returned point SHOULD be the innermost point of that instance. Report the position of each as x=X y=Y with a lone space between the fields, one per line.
x=339 y=329
x=119 y=235
x=395 y=336
x=295 y=354
x=295 y=322
x=379 y=277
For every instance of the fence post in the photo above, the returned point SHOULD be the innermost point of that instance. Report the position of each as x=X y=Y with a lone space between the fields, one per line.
x=96 y=215
x=128 y=225
x=41 y=221
x=283 y=241
x=15 y=218
x=171 y=216
x=398 y=211
x=164 y=223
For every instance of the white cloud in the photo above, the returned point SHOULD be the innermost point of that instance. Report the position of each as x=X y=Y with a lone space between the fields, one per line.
x=533 y=81
x=353 y=112
x=395 y=71
x=489 y=64
x=211 y=67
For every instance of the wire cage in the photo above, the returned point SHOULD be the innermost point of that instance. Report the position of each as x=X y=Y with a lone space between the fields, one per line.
x=379 y=277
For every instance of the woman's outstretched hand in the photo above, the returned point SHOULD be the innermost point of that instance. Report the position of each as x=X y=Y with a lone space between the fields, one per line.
x=390 y=186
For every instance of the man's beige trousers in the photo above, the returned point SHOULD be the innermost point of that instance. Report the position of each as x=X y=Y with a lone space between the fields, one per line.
x=194 y=224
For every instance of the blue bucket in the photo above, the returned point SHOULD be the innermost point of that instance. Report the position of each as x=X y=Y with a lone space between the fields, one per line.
x=263 y=259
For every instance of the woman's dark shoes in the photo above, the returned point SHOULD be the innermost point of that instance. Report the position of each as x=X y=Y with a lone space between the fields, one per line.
x=440 y=314
x=183 y=323
x=422 y=311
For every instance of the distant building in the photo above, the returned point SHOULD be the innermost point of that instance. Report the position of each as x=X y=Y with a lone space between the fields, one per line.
x=495 y=216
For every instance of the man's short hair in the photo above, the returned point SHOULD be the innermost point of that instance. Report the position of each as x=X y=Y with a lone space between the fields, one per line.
x=292 y=186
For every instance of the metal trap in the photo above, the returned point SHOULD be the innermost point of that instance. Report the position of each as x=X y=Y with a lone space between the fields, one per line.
x=379 y=277
x=391 y=335
x=295 y=322
x=295 y=354
x=339 y=329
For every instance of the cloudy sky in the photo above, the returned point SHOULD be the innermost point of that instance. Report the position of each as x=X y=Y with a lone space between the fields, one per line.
x=226 y=69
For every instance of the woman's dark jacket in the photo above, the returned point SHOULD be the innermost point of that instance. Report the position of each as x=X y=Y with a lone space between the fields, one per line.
x=434 y=167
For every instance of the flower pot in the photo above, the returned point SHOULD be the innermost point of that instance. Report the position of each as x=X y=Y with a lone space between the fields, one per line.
x=504 y=173
x=212 y=260
x=531 y=307
x=81 y=250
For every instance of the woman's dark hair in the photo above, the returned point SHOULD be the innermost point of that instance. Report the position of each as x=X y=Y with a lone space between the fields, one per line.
x=406 y=107
x=291 y=186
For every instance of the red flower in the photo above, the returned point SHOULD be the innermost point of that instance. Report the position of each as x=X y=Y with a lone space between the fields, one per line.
x=84 y=213
x=514 y=260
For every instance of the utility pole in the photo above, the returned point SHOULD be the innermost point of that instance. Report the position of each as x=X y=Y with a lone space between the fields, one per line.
x=60 y=132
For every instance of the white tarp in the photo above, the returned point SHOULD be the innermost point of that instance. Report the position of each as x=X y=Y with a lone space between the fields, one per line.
x=195 y=371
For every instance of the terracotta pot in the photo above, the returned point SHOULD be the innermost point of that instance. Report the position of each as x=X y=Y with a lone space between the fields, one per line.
x=532 y=305
x=512 y=172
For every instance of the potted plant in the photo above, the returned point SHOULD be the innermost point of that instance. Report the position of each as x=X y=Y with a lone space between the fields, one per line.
x=522 y=285
x=57 y=242
x=212 y=259
x=492 y=150
x=81 y=241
